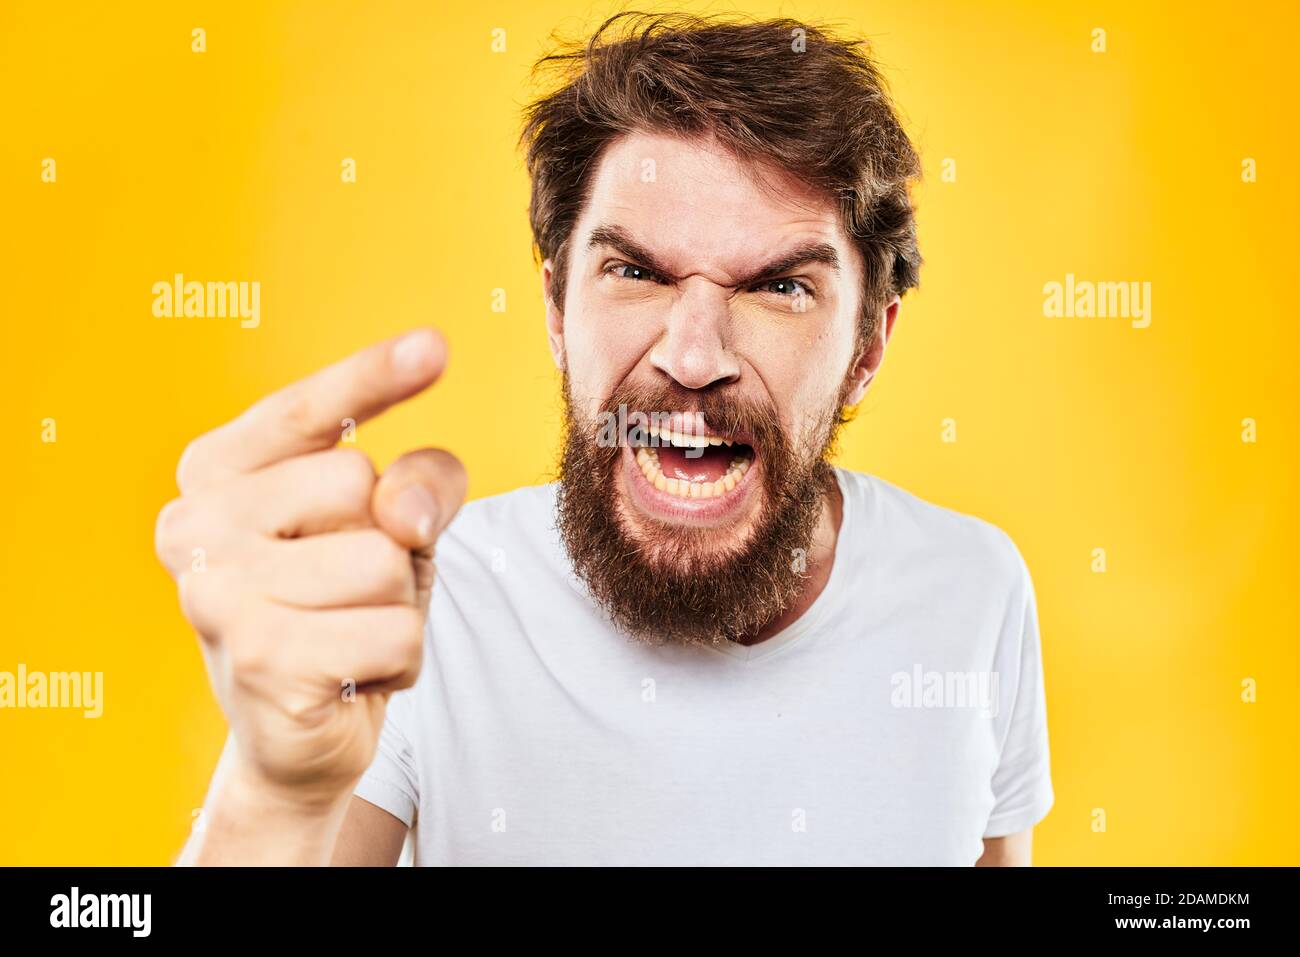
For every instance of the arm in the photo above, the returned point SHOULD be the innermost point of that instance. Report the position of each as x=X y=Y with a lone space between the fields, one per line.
x=1013 y=850
x=371 y=837
x=312 y=612
x=241 y=827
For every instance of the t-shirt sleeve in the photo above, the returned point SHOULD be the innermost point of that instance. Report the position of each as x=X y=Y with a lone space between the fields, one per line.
x=392 y=782
x=1022 y=783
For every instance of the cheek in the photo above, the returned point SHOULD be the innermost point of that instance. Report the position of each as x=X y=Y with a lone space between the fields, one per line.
x=803 y=368
x=603 y=343
x=801 y=357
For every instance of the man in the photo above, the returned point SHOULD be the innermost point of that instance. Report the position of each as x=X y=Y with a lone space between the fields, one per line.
x=703 y=645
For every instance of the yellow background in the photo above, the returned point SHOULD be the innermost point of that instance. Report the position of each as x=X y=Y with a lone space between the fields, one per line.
x=1073 y=434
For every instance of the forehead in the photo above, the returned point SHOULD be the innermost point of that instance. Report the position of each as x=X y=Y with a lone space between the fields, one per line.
x=700 y=209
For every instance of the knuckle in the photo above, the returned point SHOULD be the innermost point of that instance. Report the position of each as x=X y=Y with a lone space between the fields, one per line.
x=298 y=410
x=189 y=465
x=169 y=530
x=390 y=563
x=188 y=531
x=353 y=473
x=200 y=600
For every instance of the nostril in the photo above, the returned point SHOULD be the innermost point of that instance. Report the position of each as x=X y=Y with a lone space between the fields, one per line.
x=697 y=365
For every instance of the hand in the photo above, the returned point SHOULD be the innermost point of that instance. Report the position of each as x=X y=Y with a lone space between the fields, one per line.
x=315 y=575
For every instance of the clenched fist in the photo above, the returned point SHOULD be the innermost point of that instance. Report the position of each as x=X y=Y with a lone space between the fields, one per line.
x=315 y=573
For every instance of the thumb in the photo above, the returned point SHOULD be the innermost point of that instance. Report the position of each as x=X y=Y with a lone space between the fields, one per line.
x=414 y=501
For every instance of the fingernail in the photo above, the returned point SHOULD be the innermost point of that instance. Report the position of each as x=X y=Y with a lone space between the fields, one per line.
x=411 y=352
x=418 y=509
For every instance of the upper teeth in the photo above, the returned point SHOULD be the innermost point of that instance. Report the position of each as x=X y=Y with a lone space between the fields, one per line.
x=684 y=441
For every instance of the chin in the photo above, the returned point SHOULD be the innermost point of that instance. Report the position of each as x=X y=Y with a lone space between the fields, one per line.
x=685 y=538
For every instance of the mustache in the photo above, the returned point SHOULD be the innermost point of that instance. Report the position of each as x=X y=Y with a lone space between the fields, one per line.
x=726 y=413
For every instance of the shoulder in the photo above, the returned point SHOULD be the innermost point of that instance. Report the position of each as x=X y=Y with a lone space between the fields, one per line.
x=919 y=532
x=488 y=530
x=522 y=509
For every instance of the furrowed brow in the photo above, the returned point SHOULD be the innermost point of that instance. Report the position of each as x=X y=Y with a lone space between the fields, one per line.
x=823 y=253
x=618 y=239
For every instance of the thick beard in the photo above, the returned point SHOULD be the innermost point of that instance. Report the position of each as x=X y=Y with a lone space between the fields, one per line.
x=681 y=587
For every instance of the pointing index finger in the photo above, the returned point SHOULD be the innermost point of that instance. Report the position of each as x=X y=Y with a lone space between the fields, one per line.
x=309 y=415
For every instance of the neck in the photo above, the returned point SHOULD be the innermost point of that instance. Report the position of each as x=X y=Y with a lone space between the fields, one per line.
x=821 y=558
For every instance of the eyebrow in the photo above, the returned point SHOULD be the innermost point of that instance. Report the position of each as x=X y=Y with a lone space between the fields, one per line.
x=618 y=238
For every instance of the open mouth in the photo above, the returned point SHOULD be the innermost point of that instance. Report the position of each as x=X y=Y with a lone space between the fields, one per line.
x=696 y=466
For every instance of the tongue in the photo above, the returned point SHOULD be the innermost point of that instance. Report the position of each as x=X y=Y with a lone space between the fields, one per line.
x=701 y=465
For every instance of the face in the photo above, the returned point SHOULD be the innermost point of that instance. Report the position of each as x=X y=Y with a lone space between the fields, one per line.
x=714 y=308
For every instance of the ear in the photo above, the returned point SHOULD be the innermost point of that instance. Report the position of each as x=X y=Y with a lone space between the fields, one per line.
x=869 y=362
x=554 y=317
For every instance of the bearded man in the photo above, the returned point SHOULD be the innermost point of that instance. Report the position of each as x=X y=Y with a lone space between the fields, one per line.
x=704 y=644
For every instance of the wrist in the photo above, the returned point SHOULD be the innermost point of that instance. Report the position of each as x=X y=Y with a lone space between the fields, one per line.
x=252 y=821
x=248 y=786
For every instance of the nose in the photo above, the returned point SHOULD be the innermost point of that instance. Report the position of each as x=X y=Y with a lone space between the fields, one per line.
x=693 y=347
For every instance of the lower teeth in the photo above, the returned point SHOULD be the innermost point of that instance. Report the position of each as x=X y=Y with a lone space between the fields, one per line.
x=647 y=460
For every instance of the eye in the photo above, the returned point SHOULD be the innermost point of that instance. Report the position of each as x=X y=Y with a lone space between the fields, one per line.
x=633 y=272
x=784 y=287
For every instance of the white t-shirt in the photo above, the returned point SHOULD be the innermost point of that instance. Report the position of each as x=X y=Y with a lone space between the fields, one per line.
x=898 y=721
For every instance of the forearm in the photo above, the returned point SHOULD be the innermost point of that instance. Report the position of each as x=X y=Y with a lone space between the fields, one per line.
x=246 y=823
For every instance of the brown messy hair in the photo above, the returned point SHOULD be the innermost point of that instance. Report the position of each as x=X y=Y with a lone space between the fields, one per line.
x=821 y=113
